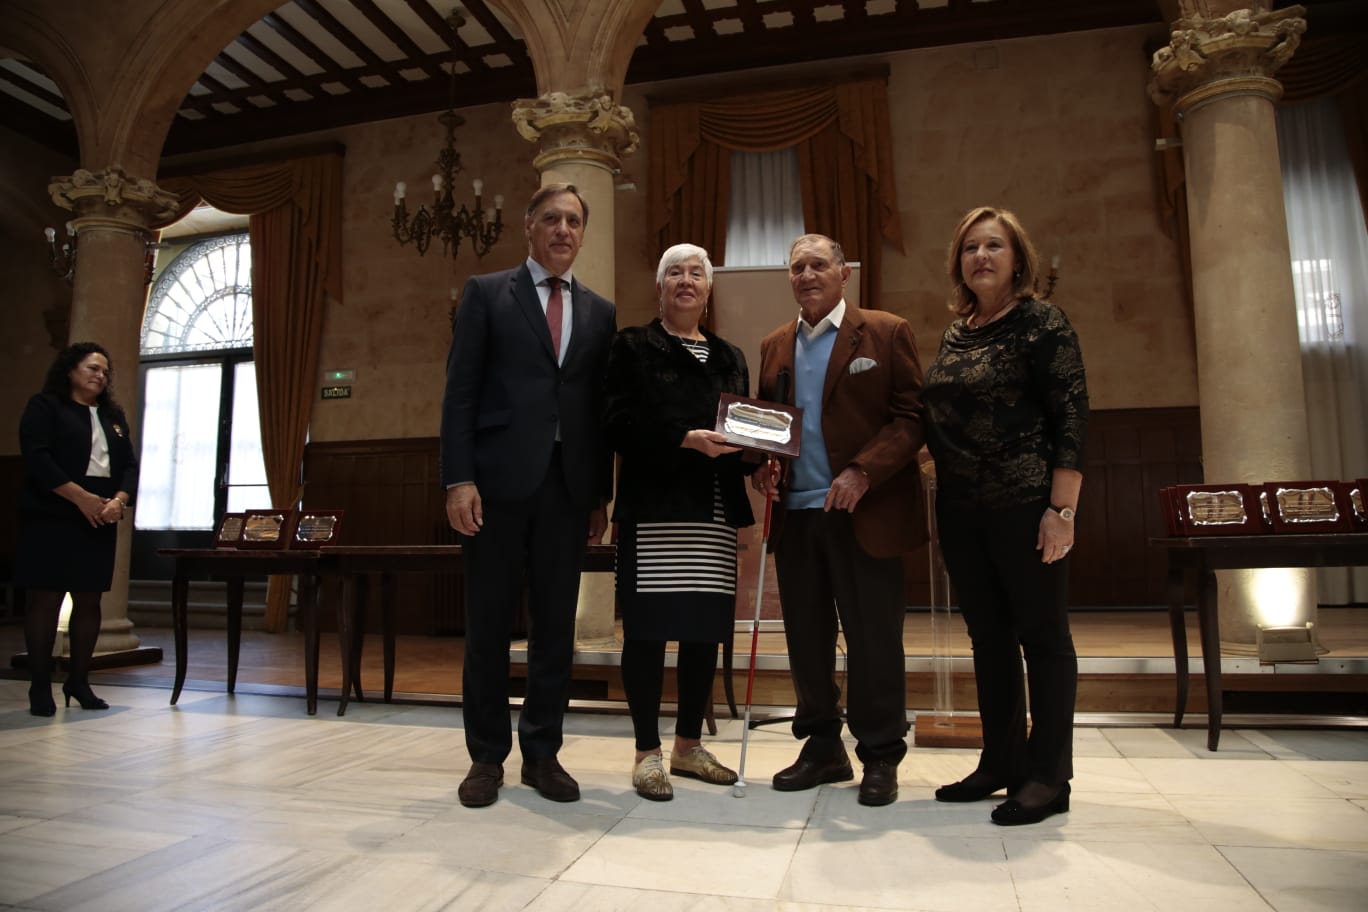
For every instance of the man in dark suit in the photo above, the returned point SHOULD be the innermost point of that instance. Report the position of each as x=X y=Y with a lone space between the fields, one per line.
x=848 y=509
x=528 y=478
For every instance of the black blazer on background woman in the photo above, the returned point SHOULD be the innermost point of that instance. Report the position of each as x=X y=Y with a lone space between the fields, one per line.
x=54 y=437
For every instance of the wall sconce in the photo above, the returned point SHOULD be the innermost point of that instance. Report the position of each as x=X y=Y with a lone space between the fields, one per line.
x=64 y=260
x=481 y=226
x=1052 y=278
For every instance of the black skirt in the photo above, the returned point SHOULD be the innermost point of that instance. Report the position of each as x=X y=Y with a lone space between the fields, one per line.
x=62 y=552
x=677 y=581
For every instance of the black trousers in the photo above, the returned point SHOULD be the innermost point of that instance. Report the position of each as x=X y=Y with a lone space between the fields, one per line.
x=1013 y=603
x=542 y=540
x=825 y=576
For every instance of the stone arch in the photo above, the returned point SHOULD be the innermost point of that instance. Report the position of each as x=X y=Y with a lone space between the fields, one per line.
x=124 y=77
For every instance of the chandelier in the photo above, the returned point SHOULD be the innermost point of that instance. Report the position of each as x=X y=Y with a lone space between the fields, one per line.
x=480 y=225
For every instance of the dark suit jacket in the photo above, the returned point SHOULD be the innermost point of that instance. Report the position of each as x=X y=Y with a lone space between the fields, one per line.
x=870 y=419
x=505 y=393
x=54 y=436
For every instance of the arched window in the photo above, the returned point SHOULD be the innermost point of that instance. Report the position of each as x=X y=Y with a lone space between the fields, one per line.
x=203 y=300
x=201 y=436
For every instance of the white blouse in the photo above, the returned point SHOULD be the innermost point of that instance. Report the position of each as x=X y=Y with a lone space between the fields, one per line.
x=99 y=446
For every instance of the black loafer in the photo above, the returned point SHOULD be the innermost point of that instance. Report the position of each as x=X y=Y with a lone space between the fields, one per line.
x=481 y=785
x=974 y=787
x=880 y=783
x=1013 y=813
x=812 y=770
x=550 y=779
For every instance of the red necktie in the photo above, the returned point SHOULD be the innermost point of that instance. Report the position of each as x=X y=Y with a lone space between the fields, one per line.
x=554 y=306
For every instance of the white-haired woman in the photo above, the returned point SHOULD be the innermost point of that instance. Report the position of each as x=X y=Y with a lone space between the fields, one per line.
x=680 y=499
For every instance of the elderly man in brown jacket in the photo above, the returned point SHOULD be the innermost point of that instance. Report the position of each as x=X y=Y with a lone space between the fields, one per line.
x=848 y=509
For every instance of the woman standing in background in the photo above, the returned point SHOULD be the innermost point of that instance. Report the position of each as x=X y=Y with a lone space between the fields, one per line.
x=80 y=473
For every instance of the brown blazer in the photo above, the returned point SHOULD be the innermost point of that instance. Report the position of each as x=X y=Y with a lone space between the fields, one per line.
x=871 y=419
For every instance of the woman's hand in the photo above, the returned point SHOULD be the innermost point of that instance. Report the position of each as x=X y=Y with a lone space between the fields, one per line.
x=709 y=443
x=111 y=511
x=1055 y=538
x=92 y=507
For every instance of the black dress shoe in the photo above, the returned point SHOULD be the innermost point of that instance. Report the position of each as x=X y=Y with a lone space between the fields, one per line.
x=481 y=785
x=1013 y=813
x=880 y=783
x=974 y=787
x=550 y=779
x=814 y=767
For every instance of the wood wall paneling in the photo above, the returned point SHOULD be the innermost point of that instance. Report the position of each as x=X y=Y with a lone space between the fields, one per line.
x=391 y=495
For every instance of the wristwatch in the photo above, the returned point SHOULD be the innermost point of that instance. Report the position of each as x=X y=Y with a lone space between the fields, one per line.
x=1065 y=513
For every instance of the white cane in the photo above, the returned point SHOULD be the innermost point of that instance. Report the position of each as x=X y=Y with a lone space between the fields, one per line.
x=739 y=789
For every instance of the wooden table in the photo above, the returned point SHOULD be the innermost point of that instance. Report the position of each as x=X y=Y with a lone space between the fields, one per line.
x=1203 y=555
x=355 y=563
x=233 y=566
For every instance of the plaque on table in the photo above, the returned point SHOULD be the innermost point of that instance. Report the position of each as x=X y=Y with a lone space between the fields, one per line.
x=1307 y=506
x=316 y=529
x=1219 y=509
x=756 y=424
x=267 y=528
x=229 y=531
x=1358 y=502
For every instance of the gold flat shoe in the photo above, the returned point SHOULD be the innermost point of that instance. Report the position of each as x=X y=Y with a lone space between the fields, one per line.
x=650 y=780
x=699 y=763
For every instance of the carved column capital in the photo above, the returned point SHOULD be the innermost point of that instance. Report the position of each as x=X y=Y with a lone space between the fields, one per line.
x=1237 y=53
x=111 y=199
x=587 y=127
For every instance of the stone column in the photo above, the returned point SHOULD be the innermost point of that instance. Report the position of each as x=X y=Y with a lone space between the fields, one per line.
x=1217 y=74
x=582 y=139
x=109 y=293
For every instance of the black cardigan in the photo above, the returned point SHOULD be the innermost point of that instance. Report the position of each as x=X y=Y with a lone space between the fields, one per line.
x=657 y=391
x=54 y=437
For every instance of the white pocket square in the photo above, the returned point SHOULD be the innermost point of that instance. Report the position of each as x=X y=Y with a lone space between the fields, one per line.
x=860 y=365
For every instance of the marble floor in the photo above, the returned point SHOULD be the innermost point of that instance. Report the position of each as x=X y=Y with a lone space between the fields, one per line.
x=243 y=802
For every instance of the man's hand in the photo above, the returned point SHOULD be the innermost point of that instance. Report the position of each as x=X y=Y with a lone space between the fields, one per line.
x=846 y=490
x=765 y=478
x=598 y=524
x=465 y=510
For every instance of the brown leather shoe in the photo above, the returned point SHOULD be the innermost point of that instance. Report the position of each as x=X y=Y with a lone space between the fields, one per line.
x=481 y=785
x=818 y=763
x=880 y=783
x=550 y=779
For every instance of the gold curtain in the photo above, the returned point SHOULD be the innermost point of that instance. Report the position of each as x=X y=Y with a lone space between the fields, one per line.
x=845 y=162
x=295 y=210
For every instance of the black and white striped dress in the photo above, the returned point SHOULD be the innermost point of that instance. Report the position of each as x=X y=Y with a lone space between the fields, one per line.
x=677 y=580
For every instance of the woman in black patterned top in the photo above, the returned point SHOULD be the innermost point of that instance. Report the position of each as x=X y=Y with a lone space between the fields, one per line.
x=1006 y=412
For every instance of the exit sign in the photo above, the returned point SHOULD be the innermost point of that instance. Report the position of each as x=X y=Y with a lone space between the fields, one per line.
x=337 y=392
